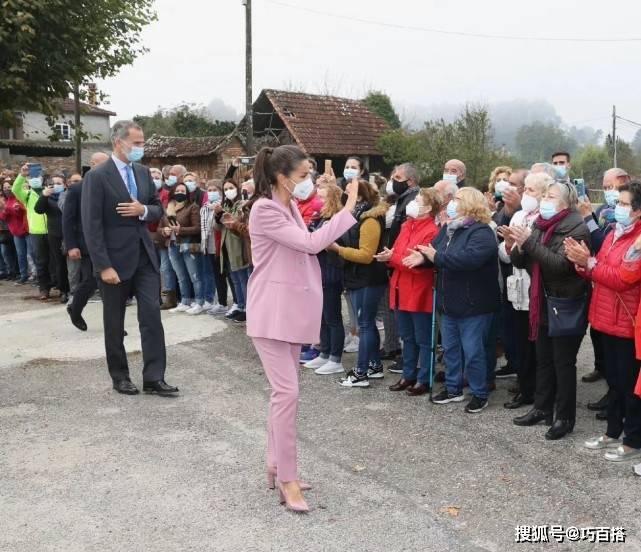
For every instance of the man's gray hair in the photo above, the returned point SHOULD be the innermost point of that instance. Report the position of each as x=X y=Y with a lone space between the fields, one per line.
x=546 y=168
x=450 y=188
x=181 y=168
x=410 y=172
x=121 y=129
x=616 y=173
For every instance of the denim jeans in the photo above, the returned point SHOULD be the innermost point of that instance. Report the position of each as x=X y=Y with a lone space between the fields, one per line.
x=240 y=279
x=332 y=336
x=186 y=266
x=207 y=277
x=167 y=274
x=415 y=329
x=365 y=302
x=4 y=269
x=9 y=257
x=466 y=338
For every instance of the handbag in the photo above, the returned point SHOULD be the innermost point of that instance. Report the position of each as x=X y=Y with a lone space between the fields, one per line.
x=567 y=316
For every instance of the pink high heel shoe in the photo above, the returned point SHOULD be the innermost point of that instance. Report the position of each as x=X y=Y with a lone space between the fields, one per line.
x=271 y=481
x=299 y=506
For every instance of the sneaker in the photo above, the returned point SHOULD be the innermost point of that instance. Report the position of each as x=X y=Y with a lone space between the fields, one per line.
x=330 y=367
x=375 y=372
x=395 y=368
x=621 y=453
x=240 y=317
x=196 y=309
x=207 y=306
x=354 y=380
x=309 y=354
x=316 y=362
x=230 y=313
x=180 y=308
x=475 y=405
x=601 y=442
x=217 y=310
x=505 y=372
x=352 y=346
x=445 y=397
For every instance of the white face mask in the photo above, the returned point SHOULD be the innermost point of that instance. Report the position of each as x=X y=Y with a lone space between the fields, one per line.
x=529 y=203
x=413 y=209
x=303 y=189
x=231 y=194
x=450 y=178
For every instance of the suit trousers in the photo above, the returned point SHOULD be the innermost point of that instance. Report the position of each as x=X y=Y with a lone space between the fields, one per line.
x=59 y=263
x=144 y=285
x=280 y=362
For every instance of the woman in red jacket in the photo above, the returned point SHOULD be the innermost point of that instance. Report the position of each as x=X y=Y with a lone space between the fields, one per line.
x=13 y=213
x=612 y=307
x=411 y=292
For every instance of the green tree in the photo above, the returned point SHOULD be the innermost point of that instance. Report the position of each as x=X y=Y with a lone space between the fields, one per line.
x=538 y=141
x=380 y=103
x=48 y=46
x=184 y=120
x=590 y=164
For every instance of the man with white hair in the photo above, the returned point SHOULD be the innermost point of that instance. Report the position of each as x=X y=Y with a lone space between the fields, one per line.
x=97 y=158
x=454 y=171
x=446 y=190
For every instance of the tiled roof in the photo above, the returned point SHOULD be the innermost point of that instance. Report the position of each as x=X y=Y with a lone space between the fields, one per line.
x=328 y=124
x=178 y=146
x=67 y=106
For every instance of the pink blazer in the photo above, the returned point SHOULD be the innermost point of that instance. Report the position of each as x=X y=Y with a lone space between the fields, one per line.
x=285 y=292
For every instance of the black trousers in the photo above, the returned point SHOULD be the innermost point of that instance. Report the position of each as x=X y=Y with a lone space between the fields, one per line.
x=526 y=368
x=624 y=407
x=40 y=245
x=59 y=263
x=223 y=282
x=556 y=374
x=144 y=285
x=599 y=350
x=86 y=287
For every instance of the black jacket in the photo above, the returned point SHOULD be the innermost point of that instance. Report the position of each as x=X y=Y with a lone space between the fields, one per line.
x=400 y=216
x=558 y=274
x=72 y=220
x=49 y=206
x=114 y=241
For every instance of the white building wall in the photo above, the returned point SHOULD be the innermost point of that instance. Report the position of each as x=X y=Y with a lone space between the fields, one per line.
x=36 y=127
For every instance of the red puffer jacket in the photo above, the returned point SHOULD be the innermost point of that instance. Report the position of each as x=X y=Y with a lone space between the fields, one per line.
x=310 y=208
x=410 y=289
x=614 y=302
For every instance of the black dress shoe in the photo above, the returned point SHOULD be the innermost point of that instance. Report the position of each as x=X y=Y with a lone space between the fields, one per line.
x=602 y=415
x=77 y=322
x=159 y=387
x=126 y=387
x=391 y=355
x=559 y=429
x=418 y=390
x=601 y=404
x=592 y=377
x=517 y=402
x=533 y=417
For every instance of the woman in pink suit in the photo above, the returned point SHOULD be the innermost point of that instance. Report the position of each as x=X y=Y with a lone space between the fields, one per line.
x=285 y=296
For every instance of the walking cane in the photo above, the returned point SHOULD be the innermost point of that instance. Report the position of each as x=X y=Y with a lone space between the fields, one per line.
x=433 y=345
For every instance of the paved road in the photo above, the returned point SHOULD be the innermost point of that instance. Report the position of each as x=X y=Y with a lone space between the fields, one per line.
x=84 y=469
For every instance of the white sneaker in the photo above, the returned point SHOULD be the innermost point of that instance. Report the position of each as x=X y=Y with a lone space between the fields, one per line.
x=601 y=442
x=234 y=309
x=207 y=305
x=316 y=363
x=180 y=308
x=196 y=309
x=217 y=310
x=354 y=380
x=330 y=367
x=352 y=346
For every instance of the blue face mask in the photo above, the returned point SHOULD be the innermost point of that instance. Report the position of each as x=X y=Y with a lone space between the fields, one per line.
x=622 y=215
x=450 y=178
x=561 y=171
x=36 y=183
x=452 y=209
x=58 y=188
x=547 y=209
x=172 y=180
x=157 y=183
x=214 y=197
x=611 y=197
x=349 y=174
x=136 y=153
x=191 y=186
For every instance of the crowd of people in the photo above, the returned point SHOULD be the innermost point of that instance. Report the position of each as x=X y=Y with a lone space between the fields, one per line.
x=487 y=285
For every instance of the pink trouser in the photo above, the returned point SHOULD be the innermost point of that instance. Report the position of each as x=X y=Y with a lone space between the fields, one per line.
x=280 y=362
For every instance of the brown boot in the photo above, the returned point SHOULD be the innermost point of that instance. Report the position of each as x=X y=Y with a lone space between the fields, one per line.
x=169 y=300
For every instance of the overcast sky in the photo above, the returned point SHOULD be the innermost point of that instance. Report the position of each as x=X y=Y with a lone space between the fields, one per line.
x=197 y=54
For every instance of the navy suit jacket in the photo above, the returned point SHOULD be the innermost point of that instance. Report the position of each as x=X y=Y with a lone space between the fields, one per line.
x=113 y=241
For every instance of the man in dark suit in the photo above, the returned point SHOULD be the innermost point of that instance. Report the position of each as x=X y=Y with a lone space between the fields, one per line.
x=118 y=201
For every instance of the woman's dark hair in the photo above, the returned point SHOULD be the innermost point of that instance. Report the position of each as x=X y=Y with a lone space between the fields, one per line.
x=361 y=165
x=229 y=202
x=172 y=192
x=271 y=162
x=634 y=187
x=368 y=194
